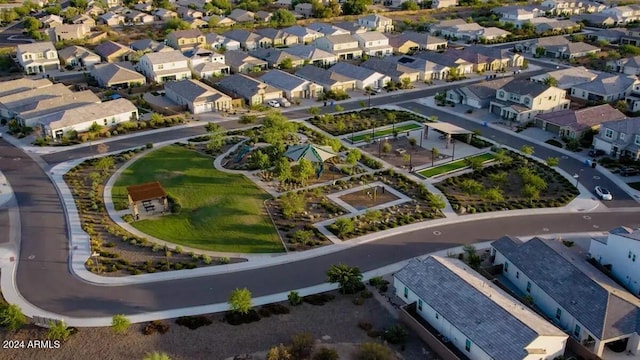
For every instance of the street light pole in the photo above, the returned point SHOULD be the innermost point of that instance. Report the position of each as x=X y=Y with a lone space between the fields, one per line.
x=453 y=154
x=379 y=145
x=369 y=99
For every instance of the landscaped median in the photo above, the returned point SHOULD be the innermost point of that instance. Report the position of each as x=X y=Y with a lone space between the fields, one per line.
x=455 y=165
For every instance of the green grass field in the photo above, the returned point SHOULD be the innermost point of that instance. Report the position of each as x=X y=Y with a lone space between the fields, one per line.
x=454 y=165
x=384 y=132
x=220 y=211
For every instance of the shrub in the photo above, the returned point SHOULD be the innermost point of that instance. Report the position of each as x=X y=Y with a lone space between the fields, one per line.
x=120 y=323
x=178 y=250
x=224 y=260
x=58 y=330
x=193 y=322
x=206 y=259
x=236 y=318
x=294 y=298
x=174 y=205
x=276 y=309
x=374 y=333
x=155 y=326
x=279 y=352
x=372 y=350
x=365 y=325
x=149 y=145
x=318 y=299
x=301 y=345
x=396 y=335
x=358 y=301
x=366 y=294
x=324 y=353
x=11 y=317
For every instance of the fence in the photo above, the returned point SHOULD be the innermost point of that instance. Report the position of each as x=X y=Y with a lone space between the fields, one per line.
x=575 y=347
x=427 y=336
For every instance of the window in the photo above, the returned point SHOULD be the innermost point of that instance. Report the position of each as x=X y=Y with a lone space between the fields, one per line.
x=437 y=316
x=622 y=136
x=105 y=122
x=558 y=313
x=526 y=101
x=406 y=292
x=608 y=133
x=506 y=266
x=467 y=345
x=576 y=331
x=517 y=274
x=501 y=93
x=528 y=286
x=637 y=140
x=419 y=304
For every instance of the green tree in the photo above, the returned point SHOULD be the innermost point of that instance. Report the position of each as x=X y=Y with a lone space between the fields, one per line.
x=277 y=128
x=314 y=110
x=301 y=345
x=410 y=5
x=493 y=194
x=260 y=160
x=474 y=163
x=343 y=226
x=292 y=204
x=550 y=81
x=240 y=301
x=175 y=24
x=502 y=157
x=120 y=323
x=304 y=170
x=80 y=4
x=282 y=169
x=105 y=164
x=335 y=143
x=386 y=147
x=58 y=330
x=498 y=178
x=354 y=7
x=471 y=187
x=373 y=351
x=156 y=356
x=372 y=216
x=540 y=51
x=527 y=150
x=339 y=108
x=282 y=18
x=353 y=156
x=216 y=136
x=471 y=256
x=348 y=277
x=553 y=161
x=437 y=201
x=286 y=63
x=224 y=5
x=31 y=24
x=12 y=318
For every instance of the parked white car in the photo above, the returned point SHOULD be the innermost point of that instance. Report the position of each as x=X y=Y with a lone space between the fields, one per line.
x=603 y=193
x=273 y=103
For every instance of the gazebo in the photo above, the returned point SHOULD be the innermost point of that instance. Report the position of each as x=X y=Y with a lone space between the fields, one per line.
x=449 y=130
x=150 y=196
x=314 y=153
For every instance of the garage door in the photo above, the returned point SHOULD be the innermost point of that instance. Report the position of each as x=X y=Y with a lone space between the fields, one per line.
x=496 y=109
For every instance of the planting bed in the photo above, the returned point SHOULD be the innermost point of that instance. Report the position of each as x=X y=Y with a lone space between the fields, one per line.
x=506 y=177
x=368 y=198
x=454 y=165
x=346 y=123
x=121 y=253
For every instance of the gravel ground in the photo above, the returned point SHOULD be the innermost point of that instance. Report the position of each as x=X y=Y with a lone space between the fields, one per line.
x=334 y=323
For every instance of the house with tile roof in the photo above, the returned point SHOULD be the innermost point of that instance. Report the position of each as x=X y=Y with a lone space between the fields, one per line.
x=628 y=65
x=620 y=139
x=68 y=32
x=278 y=37
x=427 y=70
x=242 y=62
x=275 y=57
x=197 y=97
x=207 y=70
x=425 y=41
x=575 y=123
x=472 y=314
x=606 y=88
x=396 y=71
x=293 y=87
x=351 y=27
x=30 y=112
x=116 y=76
x=305 y=35
x=164 y=14
x=364 y=77
x=248 y=40
x=402 y=45
x=149 y=45
x=253 y=91
x=446 y=59
x=112 y=19
x=477 y=95
x=569 y=77
x=78 y=56
x=374 y=43
x=164 y=66
x=329 y=80
x=521 y=100
x=185 y=39
x=346 y=47
x=111 y=51
x=38 y=57
x=314 y=55
x=572 y=293
x=375 y=22
x=10 y=87
x=219 y=42
x=440 y=4
x=241 y=15
x=620 y=252
x=327 y=29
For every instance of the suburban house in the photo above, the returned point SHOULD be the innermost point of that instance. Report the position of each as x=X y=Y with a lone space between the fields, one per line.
x=241 y=62
x=571 y=7
x=222 y=21
x=51 y=20
x=446 y=59
x=471 y=32
x=620 y=253
x=78 y=56
x=196 y=96
x=478 y=95
x=329 y=80
x=374 y=43
x=427 y=70
x=619 y=138
x=629 y=66
x=474 y=315
x=253 y=91
x=263 y=16
x=84 y=19
x=276 y=57
x=221 y=42
x=201 y=54
x=314 y=55
x=117 y=76
x=575 y=123
x=351 y=27
x=557 y=47
x=623 y=14
x=344 y=46
x=425 y=41
x=482 y=58
x=112 y=19
x=543 y=25
x=375 y=22
x=396 y=71
x=575 y=295
x=29 y=112
x=207 y=70
x=68 y=32
x=138 y=17
x=439 y=4
x=517 y=14
x=612 y=36
x=241 y=15
x=148 y=45
x=327 y=29
x=111 y=51
x=606 y=87
x=163 y=14
x=304 y=34
x=401 y=45
x=630 y=37
x=81 y=118
x=364 y=77
x=304 y=9
x=38 y=57
x=294 y=87
x=569 y=77
x=10 y=87
x=278 y=37
x=44 y=98
x=247 y=39
x=521 y=100
x=188 y=13
x=165 y=66
x=184 y=39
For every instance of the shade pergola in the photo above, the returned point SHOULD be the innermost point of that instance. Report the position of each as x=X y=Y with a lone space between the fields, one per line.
x=449 y=129
x=311 y=152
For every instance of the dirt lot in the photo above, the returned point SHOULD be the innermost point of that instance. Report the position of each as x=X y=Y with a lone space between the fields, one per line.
x=368 y=198
x=334 y=323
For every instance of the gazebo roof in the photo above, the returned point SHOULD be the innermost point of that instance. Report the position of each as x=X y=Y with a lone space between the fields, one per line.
x=311 y=152
x=448 y=128
x=147 y=191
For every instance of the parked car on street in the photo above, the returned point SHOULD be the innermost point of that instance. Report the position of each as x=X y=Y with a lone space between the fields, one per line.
x=603 y=193
x=629 y=171
x=596 y=152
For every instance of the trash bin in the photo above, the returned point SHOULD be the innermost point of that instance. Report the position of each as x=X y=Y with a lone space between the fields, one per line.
x=593 y=164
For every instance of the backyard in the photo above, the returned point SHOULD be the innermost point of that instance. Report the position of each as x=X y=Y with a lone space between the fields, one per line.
x=455 y=165
x=219 y=211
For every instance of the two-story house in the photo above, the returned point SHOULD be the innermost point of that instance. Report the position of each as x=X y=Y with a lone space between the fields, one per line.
x=619 y=138
x=473 y=314
x=364 y=77
x=629 y=65
x=78 y=56
x=376 y=22
x=305 y=35
x=521 y=100
x=242 y=62
x=248 y=40
x=294 y=87
x=572 y=293
x=374 y=43
x=517 y=14
x=278 y=37
x=39 y=57
x=574 y=124
x=344 y=46
x=620 y=253
x=184 y=39
x=312 y=54
x=165 y=66
x=68 y=32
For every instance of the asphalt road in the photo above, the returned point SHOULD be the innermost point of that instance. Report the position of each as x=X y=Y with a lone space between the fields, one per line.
x=588 y=176
x=12 y=36
x=44 y=279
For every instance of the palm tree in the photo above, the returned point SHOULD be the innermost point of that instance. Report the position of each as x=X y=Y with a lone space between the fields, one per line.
x=348 y=277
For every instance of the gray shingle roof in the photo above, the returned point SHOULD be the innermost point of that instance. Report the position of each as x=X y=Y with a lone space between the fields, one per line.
x=599 y=304
x=309 y=52
x=608 y=84
x=282 y=80
x=584 y=118
x=193 y=90
x=244 y=86
x=487 y=89
x=321 y=76
x=491 y=319
x=524 y=87
x=352 y=71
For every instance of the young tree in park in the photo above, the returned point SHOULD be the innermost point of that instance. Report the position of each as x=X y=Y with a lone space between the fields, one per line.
x=240 y=300
x=277 y=128
x=470 y=187
x=11 y=317
x=530 y=192
x=434 y=154
x=498 y=178
x=260 y=160
x=313 y=110
x=344 y=226
x=282 y=169
x=386 y=147
x=292 y=203
x=348 y=277
x=105 y=164
x=353 y=156
x=493 y=194
x=437 y=201
x=474 y=163
x=502 y=157
x=120 y=323
x=304 y=170
x=216 y=136
x=553 y=161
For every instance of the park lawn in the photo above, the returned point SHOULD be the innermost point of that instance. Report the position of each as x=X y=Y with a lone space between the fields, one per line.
x=220 y=211
x=385 y=132
x=454 y=165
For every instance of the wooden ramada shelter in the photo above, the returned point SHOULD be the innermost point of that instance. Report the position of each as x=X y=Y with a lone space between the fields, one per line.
x=150 y=196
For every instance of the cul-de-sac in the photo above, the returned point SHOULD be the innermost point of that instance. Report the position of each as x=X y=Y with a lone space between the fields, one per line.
x=320 y=179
